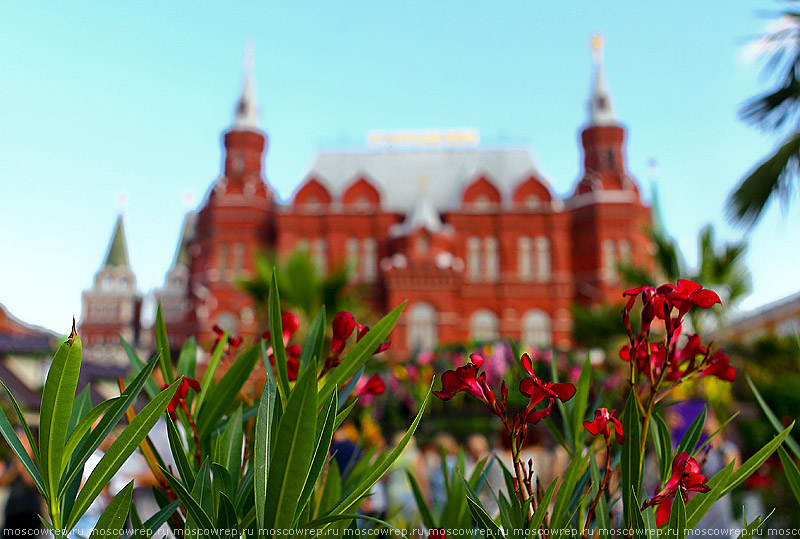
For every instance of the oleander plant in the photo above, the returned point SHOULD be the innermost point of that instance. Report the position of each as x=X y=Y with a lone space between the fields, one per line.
x=261 y=463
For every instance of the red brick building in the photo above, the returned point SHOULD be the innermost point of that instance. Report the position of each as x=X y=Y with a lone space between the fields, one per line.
x=472 y=237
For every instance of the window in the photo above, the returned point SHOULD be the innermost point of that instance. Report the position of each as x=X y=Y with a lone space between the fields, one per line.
x=483 y=326
x=611 y=159
x=238 y=258
x=542 y=259
x=473 y=259
x=370 y=260
x=625 y=251
x=536 y=329
x=608 y=263
x=351 y=246
x=524 y=265
x=492 y=259
x=320 y=254
x=108 y=283
x=532 y=201
x=222 y=261
x=422 y=329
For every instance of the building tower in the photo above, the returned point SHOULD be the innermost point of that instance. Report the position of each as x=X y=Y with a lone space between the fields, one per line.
x=112 y=307
x=173 y=297
x=233 y=225
x=609 y=221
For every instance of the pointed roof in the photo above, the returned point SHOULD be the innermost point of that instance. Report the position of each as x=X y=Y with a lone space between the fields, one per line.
x=422 y=215
x=182 y=250
x=117 y=255
x=601 y=109
x=246 y=116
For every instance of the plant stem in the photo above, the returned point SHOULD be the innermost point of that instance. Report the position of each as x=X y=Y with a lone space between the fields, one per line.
x=599 y=491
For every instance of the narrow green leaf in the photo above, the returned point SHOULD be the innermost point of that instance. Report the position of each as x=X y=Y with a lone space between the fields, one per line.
x=83 y=428
x=57 y=398
x=153 y=523
x=262 y=446
x=422 y=506
x=192 y=506
x=689 y=441
x=150 y=386
x=7 y=430
x=276 y=330
x=383 y=464
x=162 y=345
x=202 y=491
x=211 y=371
x=702 y=502
x=754 y=463
x=773 y=419
x=575 y=470
x=791 y=471
x=226 y=518
x=483 y=519
x=222 y=397
x=637 y=520
x=21 y=417
x=580 y=403
x=187 y=360
x=360 y=353
x=119 y=451
x=315 y=340
x=229 y=445
x=663 y=445
x=677 y=518
x=544 y=505
x=114 y=516
x=179 y=454
x=342 y=415
x=344 y=516
x=630 y=461
x=81 y=407
x=714 y=434
x=323 y=436
x=293 y=454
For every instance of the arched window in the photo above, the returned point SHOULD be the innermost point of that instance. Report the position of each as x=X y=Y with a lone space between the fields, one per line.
x=422 y=327
x=229 y=322
x=608 y=261
x=369 y=260
x=352 y=257
x=624 y=251
x=320 y=254
x=536 y=329
x=524 y=262
x=238 y=258
x=483 y=326
x=108 y=283
x=492 y=259
x=473 y=259
x=543 y=259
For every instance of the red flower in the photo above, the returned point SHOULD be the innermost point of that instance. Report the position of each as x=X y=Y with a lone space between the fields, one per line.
x=602 y=420
x=363 y=330
x=437 y=533
x=374 y=386
x=343 y=325
x=467 y=379
x=719 y=366
x=179 y=398
x=688 y=294
x=686 y=477
x=537 y=391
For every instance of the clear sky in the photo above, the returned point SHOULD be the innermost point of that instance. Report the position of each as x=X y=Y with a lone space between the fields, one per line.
x=132 y=98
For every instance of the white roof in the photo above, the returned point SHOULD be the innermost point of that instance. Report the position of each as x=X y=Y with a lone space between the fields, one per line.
x=397 y=173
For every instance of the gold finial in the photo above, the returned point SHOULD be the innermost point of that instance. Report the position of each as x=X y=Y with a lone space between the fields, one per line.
x=596 y=42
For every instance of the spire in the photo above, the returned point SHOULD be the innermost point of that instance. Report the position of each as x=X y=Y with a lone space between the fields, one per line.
x=246 y=117
x=601 y=110
x=182 y=251
x=117 y=251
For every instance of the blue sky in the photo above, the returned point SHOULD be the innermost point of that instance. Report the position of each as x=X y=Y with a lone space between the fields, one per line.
x=133 y=97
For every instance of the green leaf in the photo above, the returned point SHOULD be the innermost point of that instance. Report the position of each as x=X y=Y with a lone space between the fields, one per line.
x=313 y=348
x=223 y=396
x=229 y=445
x=383 y=463
x=663 y=445
x=689 y=441
x=276 y=331
x=187 y=360
x=21 y=417
x=150 y=386
x=262 y=445
x=331 y=490
x=601 y=511
x=193 y=508
x=714 y=434
x=211 y=371
x=360 y=353
x=541 y=511
x=110 y=419
x=702 y=502
x=7 y=430
x=83 y=428
x=334 y=518
x=422 y=506
x=293 y=454
x=637 y=520
x=791 y=471
x=203 y=491
x=630 y=461
x=56 y=408
x=226 y=518
x=773 y=419
x=341 y=416
x=81 y=406
x=560 y=515
x=179 y=453
x=580 y=402
x=754 y=463
x=323 y=436
x=114 y=515
x=483 y=519
x=119 y=451
x=162 y=345
x=677 y=518
x=160 y=517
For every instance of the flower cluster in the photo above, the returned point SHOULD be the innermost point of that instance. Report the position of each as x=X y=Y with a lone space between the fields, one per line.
x=344 y=325
x=232 y=343
x=289 y=323
x=686 y=477
x=602 y=423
